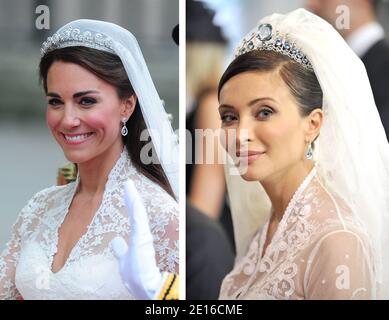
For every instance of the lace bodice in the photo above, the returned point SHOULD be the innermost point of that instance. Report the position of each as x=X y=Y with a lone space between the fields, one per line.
x=319 y=251
x=91 y=270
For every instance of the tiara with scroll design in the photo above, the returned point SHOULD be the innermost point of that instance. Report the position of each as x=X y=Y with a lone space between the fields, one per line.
x=264 y=39
x=73 y=37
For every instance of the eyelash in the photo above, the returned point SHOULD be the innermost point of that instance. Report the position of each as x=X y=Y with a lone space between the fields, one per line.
x=270 y=111
x=259 y=115
x=85 y=102
x=54 y=102
x=91 y=101
x=224 y=117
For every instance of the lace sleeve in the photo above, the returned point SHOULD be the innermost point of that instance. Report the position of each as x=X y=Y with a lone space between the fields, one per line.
x=164 y=226
x=24 y=225
x=8 y=261
x=340 y=268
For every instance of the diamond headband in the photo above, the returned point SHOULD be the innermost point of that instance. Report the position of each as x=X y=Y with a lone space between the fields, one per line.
x=73 y=37
x=264 y=39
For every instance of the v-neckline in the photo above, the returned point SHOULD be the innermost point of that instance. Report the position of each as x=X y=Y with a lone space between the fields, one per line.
x=115 y=171
x=59 y=225
x=264 y=252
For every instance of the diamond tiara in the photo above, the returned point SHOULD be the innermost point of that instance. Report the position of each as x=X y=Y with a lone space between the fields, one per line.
x=73 y=37
x=264 y=39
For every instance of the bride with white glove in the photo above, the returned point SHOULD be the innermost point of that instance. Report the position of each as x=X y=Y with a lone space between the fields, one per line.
x=100 y=102
x=137 y=263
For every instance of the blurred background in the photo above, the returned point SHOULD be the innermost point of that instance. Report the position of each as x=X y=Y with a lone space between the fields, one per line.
x=238 y=17
x=29 y=157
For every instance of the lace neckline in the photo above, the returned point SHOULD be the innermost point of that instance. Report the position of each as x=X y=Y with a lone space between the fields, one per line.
x=113 y=178
x=283 y=223
x=263 y=261
x=114 y=174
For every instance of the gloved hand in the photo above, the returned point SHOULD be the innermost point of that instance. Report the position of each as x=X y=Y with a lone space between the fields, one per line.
x=138 y=267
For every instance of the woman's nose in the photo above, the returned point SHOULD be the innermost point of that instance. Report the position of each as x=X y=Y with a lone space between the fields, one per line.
x=244 y=132
x=70 y=117
x=238 y=137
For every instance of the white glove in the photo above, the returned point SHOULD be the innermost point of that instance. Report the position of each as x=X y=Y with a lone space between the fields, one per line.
x=137 y=264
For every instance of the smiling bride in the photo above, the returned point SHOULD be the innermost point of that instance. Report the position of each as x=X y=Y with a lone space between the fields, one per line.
x=100 y=101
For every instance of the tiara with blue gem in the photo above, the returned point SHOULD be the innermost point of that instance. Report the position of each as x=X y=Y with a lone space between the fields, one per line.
x=71 y=37
x=264 y=39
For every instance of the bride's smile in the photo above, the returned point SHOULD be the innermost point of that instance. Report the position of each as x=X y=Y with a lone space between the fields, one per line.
x=76 y=138
x=84 y=112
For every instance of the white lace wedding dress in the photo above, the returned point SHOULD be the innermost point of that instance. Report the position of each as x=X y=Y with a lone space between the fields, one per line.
x=319 y=251
x=91 y=271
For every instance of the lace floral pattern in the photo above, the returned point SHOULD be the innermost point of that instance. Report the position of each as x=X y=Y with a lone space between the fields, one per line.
x=91 y=270
x=319 y=251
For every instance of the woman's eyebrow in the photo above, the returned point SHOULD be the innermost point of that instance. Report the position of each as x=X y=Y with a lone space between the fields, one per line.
x=225 y=106
x=53 y=94
x=83 y=93
x=76 y=95
x=250 y=104
x=253 y=102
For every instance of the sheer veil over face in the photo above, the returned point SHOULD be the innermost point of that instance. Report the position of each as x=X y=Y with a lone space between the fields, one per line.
x=351 y=152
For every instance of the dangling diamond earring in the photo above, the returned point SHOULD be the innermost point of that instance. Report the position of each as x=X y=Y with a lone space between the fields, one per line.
x=124 y=128
x=309 y=153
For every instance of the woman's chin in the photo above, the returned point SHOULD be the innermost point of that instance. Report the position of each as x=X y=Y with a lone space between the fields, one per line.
x=77 y=156
x=252 y=174
x=249 y=177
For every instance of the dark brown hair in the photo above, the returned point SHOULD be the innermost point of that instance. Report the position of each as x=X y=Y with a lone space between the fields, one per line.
x=302 y=83
x=109 y=68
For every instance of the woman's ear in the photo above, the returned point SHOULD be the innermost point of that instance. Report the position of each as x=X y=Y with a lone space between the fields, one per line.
x=128 y=106
x=314 y=123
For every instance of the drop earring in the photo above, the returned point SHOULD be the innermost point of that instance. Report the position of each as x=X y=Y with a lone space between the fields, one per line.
x=124 y=128
x=309 y=153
